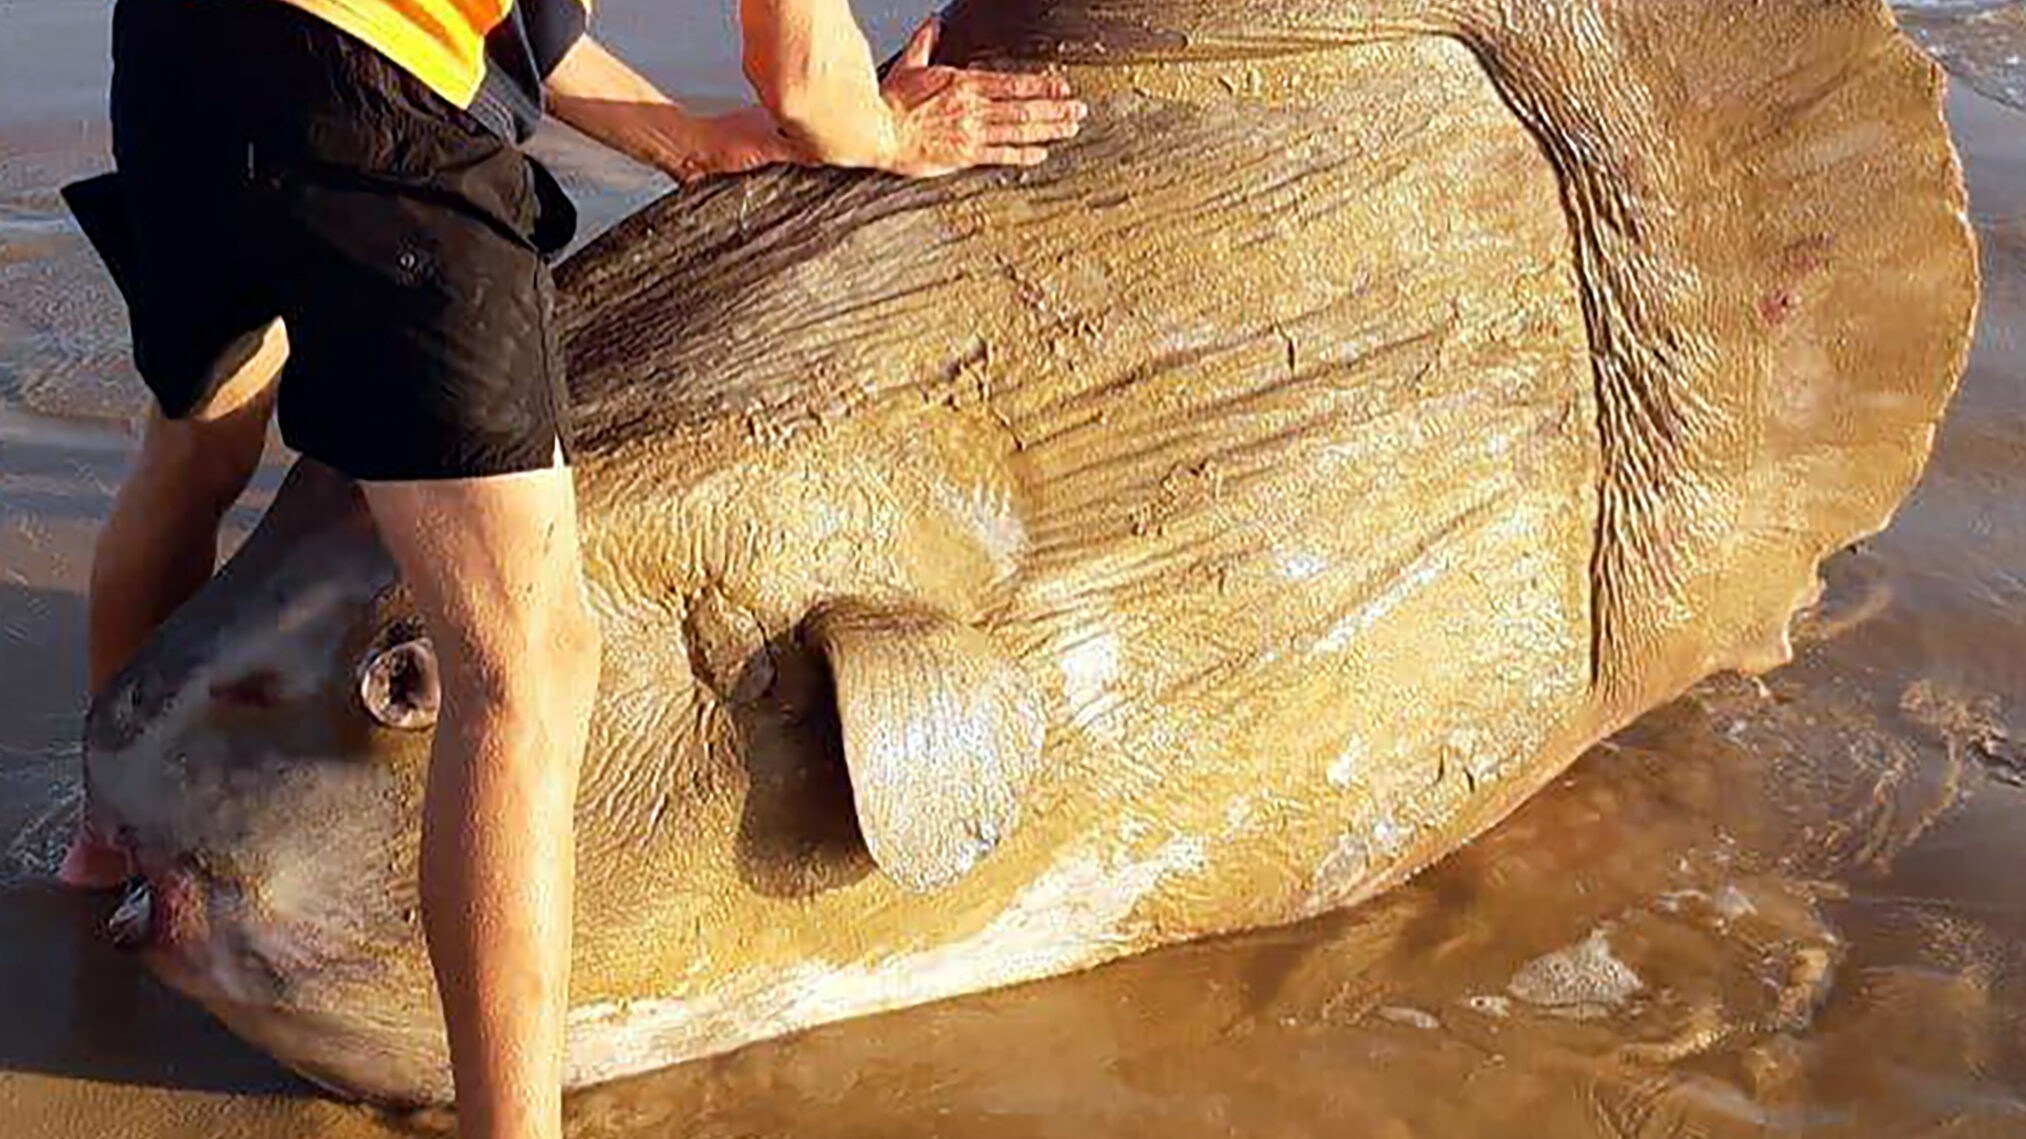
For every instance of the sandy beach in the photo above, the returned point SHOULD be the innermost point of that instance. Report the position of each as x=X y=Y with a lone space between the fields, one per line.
x=1785 y=906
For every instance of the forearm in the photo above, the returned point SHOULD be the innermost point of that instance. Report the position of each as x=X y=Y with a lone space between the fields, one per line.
x=812 y=67
x=497 y=861
x=597 y=93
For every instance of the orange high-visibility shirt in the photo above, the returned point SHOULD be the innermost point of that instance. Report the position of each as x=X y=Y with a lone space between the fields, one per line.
x=486 y=56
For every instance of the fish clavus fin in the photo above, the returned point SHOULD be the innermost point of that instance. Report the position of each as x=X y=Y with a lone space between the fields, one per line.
x=942 y=735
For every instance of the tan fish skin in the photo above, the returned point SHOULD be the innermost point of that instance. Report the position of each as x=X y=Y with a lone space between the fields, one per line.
x=1380 y=403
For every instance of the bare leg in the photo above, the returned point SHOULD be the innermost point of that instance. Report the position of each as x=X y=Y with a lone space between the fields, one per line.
x=494 y=565
x=159 y=545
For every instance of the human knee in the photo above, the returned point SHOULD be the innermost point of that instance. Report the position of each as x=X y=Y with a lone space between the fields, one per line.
x=208 y=464
x=223 y=437
x=545 y=655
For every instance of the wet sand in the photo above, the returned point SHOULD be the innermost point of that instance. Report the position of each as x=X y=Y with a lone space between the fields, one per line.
x=1788 y=907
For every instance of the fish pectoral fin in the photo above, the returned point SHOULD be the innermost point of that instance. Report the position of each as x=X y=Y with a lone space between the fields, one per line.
x=942 y=735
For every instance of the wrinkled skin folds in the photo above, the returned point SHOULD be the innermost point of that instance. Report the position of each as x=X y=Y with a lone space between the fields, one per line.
x=1377 y=405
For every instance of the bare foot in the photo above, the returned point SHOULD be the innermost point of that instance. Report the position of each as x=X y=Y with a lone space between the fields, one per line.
x=93 y=863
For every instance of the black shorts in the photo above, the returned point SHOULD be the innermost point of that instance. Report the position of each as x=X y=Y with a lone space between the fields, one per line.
x=269 y=165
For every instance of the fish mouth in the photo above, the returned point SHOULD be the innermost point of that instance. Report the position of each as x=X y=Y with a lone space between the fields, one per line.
x=155 y=913
x=132 y=926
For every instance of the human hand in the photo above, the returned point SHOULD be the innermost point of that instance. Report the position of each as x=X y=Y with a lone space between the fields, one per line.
x=948 y=119
x=735 y=142
x=596 y=92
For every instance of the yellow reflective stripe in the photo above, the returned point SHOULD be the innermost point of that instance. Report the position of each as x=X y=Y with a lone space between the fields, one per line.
x=441 y=42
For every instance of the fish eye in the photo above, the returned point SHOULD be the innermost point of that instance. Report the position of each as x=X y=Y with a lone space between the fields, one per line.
x=399 y=685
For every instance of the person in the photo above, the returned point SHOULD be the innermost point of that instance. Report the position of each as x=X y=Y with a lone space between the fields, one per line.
x=322 y=213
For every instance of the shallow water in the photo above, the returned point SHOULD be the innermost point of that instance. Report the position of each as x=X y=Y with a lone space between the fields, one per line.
x=1783 y=907
x=1983 y=41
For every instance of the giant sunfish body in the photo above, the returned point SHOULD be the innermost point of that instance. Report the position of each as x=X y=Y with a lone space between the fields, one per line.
x=1380 y=403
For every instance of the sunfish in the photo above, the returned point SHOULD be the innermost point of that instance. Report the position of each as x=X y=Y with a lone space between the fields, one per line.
x=1377 y=405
